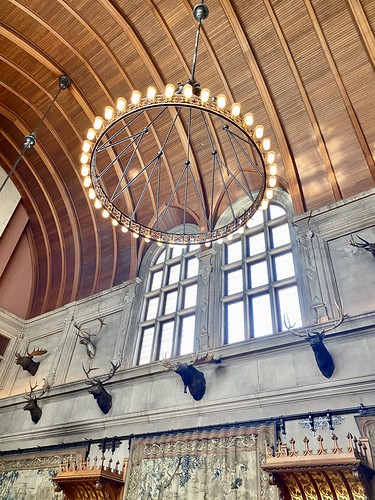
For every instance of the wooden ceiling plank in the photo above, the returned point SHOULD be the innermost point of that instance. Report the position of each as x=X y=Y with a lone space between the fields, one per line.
x=364 y=28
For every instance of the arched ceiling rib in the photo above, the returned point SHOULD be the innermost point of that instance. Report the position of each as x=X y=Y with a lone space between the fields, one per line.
x=305 y=68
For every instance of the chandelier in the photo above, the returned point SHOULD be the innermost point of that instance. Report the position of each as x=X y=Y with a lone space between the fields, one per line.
x=178 y=160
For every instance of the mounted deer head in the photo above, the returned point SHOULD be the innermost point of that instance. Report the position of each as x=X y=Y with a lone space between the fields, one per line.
x=191 y=377
x=85 y=336
x=27 y=361
x=315 y=336
x=103 y=398
x=32 y=401
x=370 y=247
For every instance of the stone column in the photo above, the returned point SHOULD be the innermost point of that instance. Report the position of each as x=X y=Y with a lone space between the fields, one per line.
x=204 y=298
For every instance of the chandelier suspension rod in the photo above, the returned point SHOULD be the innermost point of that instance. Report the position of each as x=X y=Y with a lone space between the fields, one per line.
x=30 y=139
x=200 y=13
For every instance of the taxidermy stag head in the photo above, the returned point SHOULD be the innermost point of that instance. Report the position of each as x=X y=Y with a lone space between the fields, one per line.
x=191 y=377
x=315 y=337
x=27 y=361
x=85 y=336
x=103 y=398
x=370 y=247
x=32 y=401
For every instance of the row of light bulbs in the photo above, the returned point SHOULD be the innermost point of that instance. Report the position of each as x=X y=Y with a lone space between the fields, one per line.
x=188 y=93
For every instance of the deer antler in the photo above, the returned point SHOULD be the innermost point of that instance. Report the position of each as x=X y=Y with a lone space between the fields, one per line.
x=85 y=333
x=113 y=370
x=29 y=397
x=37 y=351
x=290 y=327
x=89 y=380
x=315 y=329
x=167 y=363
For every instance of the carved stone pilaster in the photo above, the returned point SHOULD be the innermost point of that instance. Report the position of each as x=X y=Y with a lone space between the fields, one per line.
x=60 y=365
x=205 y=276
x=129 y=296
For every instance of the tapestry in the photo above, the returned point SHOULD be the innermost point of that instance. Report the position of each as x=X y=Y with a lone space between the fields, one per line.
x=203 y=465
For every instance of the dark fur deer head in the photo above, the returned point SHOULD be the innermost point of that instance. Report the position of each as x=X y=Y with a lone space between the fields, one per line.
x=27 y=363
x=366 y=245
x=193 y=379
x=85 y=336
x=32 y=401
x=102 y=397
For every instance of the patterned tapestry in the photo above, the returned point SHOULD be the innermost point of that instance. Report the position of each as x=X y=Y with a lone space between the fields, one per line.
x=204 y=465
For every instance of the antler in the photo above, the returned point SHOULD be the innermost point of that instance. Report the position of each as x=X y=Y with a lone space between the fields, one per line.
x=290 y=327
x=315 y=329
x=357 y=244
x=206 y=358
x=113 y=369
x=29 y=397
x=37 y=351
x=167 y=363
x=89 y=380
x=83 y=333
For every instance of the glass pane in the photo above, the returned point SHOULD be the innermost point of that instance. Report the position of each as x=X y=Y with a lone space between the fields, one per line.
x=170 y=304
x=191 y=248
x=261 y=315
x=192 y=266
x=146 y=346
x=289 y=307
x=256 y=219
x=152 y=308
x=166 y=339
x=156 y=280
x=284 y=266
x=161 y=257
x=190 y=296
x=258 y=274
x=257 y=244
x=174 y=273
x=233 y=282
x=234 y=322
x=276 y=211
x=233 y=252
x=177 y=250
x=280 y=235
x=187 y=335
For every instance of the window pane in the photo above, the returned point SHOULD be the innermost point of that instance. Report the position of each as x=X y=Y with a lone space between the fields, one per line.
x=233 y=252
x=191 y=248
x=192 y=266
x=261 y=316
x=234 y=322
x=284 y=266
x=177 y=250
x=190 y=296
x=233 y=282
x=289 y=307
x=276 y=211
x=166 y=339
x=174 y=273
x=170 y=302
x=146 y=346
x=257 y=244
x=258 y=274
x=256 y=219
x=152 y=308
x=280 y=235
x=161 y=257
x=187 y=335
x=156 y=280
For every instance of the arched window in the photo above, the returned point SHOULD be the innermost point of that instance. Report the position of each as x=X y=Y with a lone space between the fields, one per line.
x=259 y=285
x=168 y=310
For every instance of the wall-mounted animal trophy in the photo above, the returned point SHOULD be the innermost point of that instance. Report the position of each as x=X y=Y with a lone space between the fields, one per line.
x=32 y=401
x=103 y=398
x=27 y=361
x=370 y=247
x=85 y=336
x=193 y=379
x=315 y=336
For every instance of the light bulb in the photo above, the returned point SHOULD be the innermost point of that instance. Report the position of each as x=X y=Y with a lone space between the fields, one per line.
x=124 y=229
x=272 y=181
x=169 y=90
x=136 y=97
x=114 y=222
x=108 y=112
x=105 y=214
x=151 y=93
x=236 y=109
x=221 y=101
x=248 y=119
x=147 y=240
x=187 y=91
x=266 y=143
x=98 y=123
x=85 y=158
x=207 y=244
x=121 y=104
x=259 y=130
x=220 y=241
x=92 y=194
x=230 y=237
x=269 y=194
x=205 y=95
x=91 y=134
x=271 y=156
x=273 y=169
x=86 y=146
x=87 y=182
x=85 y=170
x=135 y=235
x=97 y=203
x=241 y=230
x=159 y=243
x=264 y=204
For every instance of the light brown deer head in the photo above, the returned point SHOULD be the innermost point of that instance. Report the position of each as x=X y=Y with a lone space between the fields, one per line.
x=85 y=336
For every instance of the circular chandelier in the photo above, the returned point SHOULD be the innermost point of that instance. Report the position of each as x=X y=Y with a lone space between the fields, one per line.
x=178 y=160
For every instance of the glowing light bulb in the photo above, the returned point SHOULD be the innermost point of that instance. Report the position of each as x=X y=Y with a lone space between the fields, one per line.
x=87 y=182
x=98 y=123
x=264 y=204
x=108 y=112
x=136 y=97
x=159 y=243
x=273 y=169
x=97 y=203
x=169 y=90
x=241 y=230
x=221 y=101
x=121 y=104
x=85 y=158
x=236 y=109
x=220 y=241
x=269 y=194
x=151 y=93
x=92 y=194
x=272 y=181
x=205 y=95
x=187 y=91
x=114 y=222
x=230 y=237
x=91 y=134
x=85 y=170
x=259 y=130
x=135 y=235
x=124 y=229
x=86 y=146
x=271 y=156
x=105 y=214
x=248 y=119
x=207 y=244
x=266 y=143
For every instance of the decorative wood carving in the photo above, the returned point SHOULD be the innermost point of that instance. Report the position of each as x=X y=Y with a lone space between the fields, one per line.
x=322 y=474
x=81 y=481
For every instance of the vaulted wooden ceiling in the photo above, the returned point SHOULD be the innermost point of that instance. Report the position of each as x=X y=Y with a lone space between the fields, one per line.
x=305 y=68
